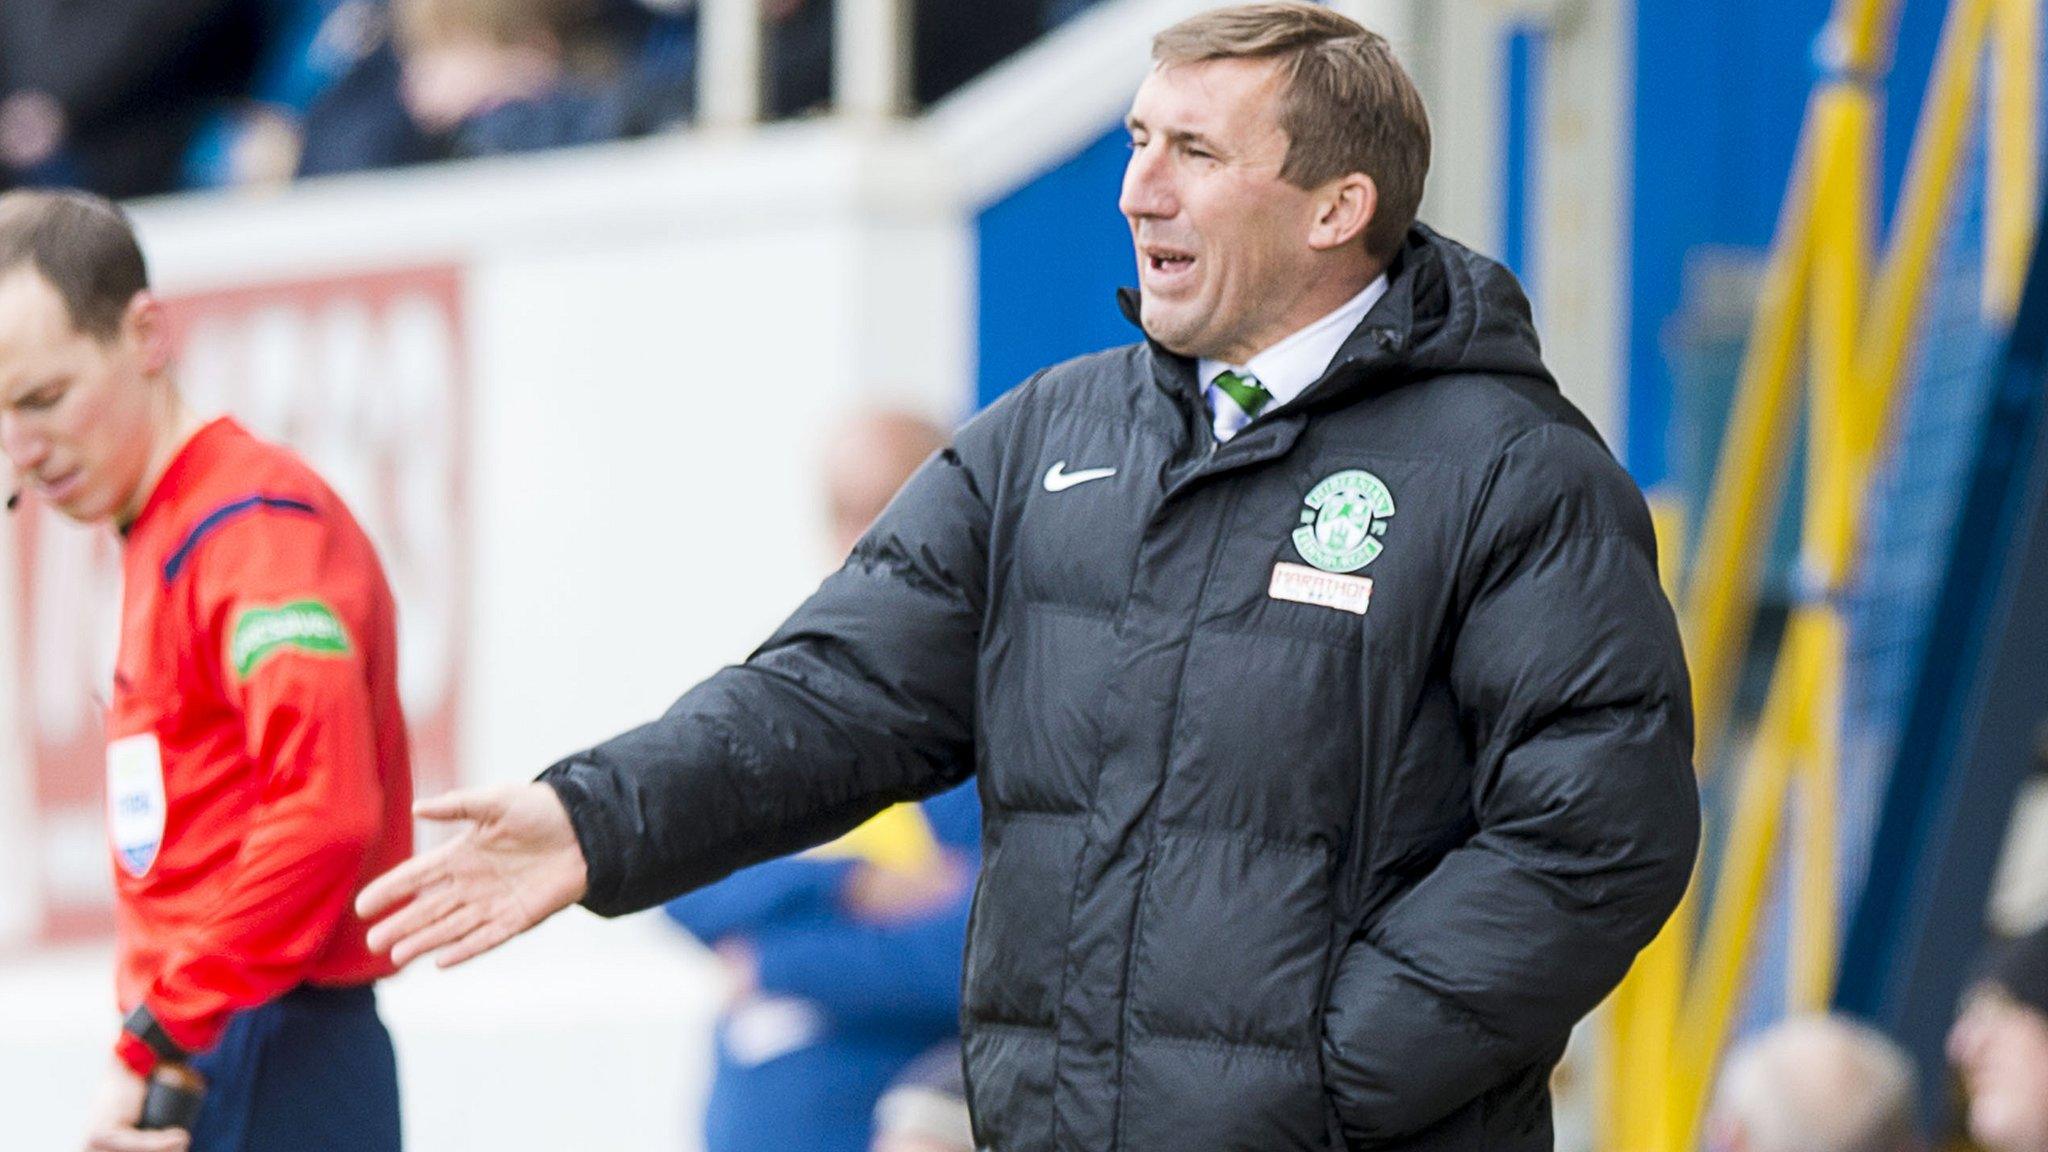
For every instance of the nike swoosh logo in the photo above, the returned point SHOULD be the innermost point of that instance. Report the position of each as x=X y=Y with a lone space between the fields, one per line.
x=1058 y=479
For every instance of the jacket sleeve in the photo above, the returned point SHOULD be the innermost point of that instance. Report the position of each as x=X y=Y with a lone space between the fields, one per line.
x=796 y=889
x=1571 y=687
x=863 y=698
x=289 y=619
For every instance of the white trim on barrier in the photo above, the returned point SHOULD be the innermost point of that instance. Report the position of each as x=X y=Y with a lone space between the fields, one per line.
x=729 y=73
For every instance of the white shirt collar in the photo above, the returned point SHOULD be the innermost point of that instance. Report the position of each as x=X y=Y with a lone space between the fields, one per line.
x=1289 y=367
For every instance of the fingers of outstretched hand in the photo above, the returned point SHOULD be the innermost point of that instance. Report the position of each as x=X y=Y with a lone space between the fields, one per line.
x=488 y=934
x=428 y=906
x=135 y=1140
x=430 y=935
x=463 y=804
x=401 y=884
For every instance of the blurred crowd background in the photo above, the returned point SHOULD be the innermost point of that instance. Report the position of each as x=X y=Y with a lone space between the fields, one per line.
x=143 y=97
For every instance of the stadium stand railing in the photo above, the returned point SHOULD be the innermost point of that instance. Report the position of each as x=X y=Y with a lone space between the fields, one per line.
x=1802 y=788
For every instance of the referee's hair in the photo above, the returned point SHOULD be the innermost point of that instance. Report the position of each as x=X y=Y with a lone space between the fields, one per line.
x=83 y=245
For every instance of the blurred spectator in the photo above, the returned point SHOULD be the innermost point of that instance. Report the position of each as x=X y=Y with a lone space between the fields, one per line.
x=2000 y=1045
x=133 y=97
x=798 y=64
x=109 y=94
x=488 y=77
x=497 y=72
x=866 y=460
x=844 y=963
x=1814 y=1084
x=925 y=1108
x=952 y=42
x=360 y=120
x=310 y=48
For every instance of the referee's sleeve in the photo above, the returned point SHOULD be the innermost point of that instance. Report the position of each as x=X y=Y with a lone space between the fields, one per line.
x=289 y=616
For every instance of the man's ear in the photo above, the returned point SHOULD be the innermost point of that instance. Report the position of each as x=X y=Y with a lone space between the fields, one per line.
x=143 y=326
x=1345 y=207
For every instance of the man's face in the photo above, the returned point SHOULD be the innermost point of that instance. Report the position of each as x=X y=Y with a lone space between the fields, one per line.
x=2001 y=1048
x=75 y=411
x=867 y=460
x=1224 y=258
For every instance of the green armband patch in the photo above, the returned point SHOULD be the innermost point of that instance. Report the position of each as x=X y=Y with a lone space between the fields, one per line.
x=307 y=625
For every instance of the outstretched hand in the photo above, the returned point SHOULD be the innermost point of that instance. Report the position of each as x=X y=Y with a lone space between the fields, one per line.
x=516 y=864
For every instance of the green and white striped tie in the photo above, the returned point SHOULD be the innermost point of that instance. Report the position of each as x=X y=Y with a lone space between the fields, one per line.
x=1234 y=400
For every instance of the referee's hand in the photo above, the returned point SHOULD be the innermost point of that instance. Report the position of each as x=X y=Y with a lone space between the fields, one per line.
x=516 y=864
x=117 y=1109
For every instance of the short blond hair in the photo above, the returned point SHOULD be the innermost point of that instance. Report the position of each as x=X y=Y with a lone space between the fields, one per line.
x=428 y=23
x=1348 y=105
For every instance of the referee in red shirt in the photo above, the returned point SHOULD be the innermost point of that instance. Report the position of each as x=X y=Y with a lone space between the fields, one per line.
x=257 y=769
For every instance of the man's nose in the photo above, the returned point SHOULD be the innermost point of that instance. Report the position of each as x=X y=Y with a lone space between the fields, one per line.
x=24 y=448
x=1148 y=186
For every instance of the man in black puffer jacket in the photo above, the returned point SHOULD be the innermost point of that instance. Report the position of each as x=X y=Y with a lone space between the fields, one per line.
x=1332 y=730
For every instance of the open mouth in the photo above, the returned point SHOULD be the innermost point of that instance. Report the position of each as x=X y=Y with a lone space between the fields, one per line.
x=1168 y=263
x=1167 y=260
x=55 y=490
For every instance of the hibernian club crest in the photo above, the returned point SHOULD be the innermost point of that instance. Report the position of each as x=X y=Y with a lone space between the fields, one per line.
x=1342 y=521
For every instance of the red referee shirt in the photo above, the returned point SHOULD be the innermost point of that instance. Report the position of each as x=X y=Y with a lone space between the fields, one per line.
x=257 y=768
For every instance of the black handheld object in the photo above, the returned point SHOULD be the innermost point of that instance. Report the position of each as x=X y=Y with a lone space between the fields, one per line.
x=14 y=500
x=175 y=1094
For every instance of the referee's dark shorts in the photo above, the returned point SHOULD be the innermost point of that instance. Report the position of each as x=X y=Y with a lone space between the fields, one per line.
x=312 y=1071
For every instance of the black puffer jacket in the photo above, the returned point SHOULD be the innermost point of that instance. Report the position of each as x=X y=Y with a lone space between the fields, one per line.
x=1260 y=874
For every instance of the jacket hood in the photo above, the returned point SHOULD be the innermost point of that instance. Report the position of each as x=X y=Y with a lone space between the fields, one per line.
x=1455 y=311
x=1448 y=310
